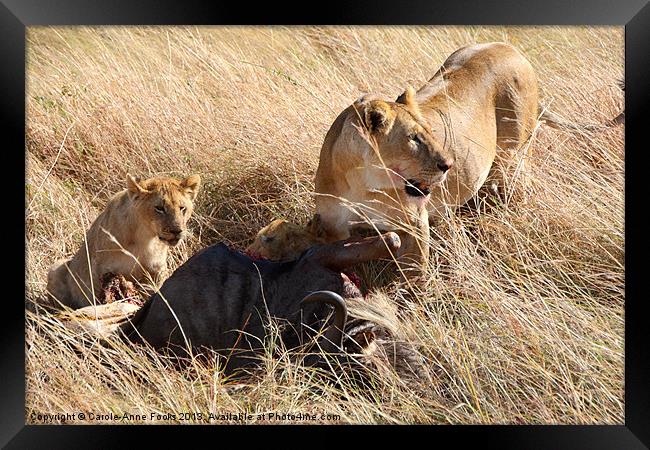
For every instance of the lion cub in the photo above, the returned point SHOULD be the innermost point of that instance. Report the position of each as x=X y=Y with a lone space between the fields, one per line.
x=282 y=240
x=131 y=237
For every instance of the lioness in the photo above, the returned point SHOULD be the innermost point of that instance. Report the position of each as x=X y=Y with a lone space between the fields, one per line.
x=387 y=162
x=130 y=237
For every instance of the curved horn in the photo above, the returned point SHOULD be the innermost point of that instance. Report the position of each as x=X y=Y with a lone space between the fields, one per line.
x=334 y=334
x=343 y=254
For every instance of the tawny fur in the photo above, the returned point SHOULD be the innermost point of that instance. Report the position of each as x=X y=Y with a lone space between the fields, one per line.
x=131 y=238
x=282 y=240
x=476 y=114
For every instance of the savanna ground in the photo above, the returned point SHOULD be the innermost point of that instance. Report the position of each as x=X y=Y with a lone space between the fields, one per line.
x=522 y=317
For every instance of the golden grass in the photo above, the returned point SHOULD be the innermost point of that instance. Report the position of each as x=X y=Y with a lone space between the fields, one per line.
x=522 y=317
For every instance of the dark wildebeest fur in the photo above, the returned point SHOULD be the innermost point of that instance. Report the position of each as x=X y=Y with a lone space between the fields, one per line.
x=223 y=300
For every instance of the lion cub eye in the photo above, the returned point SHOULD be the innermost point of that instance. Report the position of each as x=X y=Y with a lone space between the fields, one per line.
x=182 y=208
x=160 y=209
x=415 y=138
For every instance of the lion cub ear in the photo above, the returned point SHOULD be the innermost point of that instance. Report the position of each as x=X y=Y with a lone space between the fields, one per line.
x=191 y=185
x=134 y=187
x=379 y=117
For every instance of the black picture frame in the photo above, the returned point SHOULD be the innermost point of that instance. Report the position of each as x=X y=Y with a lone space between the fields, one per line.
x=16 y=15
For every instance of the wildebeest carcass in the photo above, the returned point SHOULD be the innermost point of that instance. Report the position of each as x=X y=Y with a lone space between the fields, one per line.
x=223 y=300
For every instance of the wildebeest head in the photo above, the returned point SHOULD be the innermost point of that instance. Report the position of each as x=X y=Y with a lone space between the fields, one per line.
x=222 y=300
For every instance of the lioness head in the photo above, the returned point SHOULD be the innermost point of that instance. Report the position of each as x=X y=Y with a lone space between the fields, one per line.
x=164 y=204
x=283 y=240
x=412 y=157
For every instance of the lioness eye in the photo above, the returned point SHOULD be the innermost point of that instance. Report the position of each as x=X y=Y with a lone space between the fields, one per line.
x=183 y=209
x=160 y=209
x=415 y=138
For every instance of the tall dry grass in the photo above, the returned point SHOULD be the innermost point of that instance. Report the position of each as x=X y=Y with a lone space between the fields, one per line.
x=522 y=317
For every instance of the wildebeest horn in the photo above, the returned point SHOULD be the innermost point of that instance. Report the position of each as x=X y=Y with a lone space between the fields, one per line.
x=343 y=254
x=334 y=334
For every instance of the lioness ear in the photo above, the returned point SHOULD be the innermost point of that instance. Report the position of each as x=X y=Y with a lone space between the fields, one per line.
x=191 y=185
x=408 y=98
x=379 y=117
x=134 y=187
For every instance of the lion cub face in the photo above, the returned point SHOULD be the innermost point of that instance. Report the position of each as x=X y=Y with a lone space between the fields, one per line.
x=413 y=157
x=283 y=240
x=164 y=205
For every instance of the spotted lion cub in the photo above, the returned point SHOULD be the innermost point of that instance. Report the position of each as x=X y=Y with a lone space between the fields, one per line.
x=131 y=238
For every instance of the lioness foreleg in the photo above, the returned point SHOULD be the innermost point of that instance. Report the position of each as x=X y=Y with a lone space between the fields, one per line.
x=413 y=254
